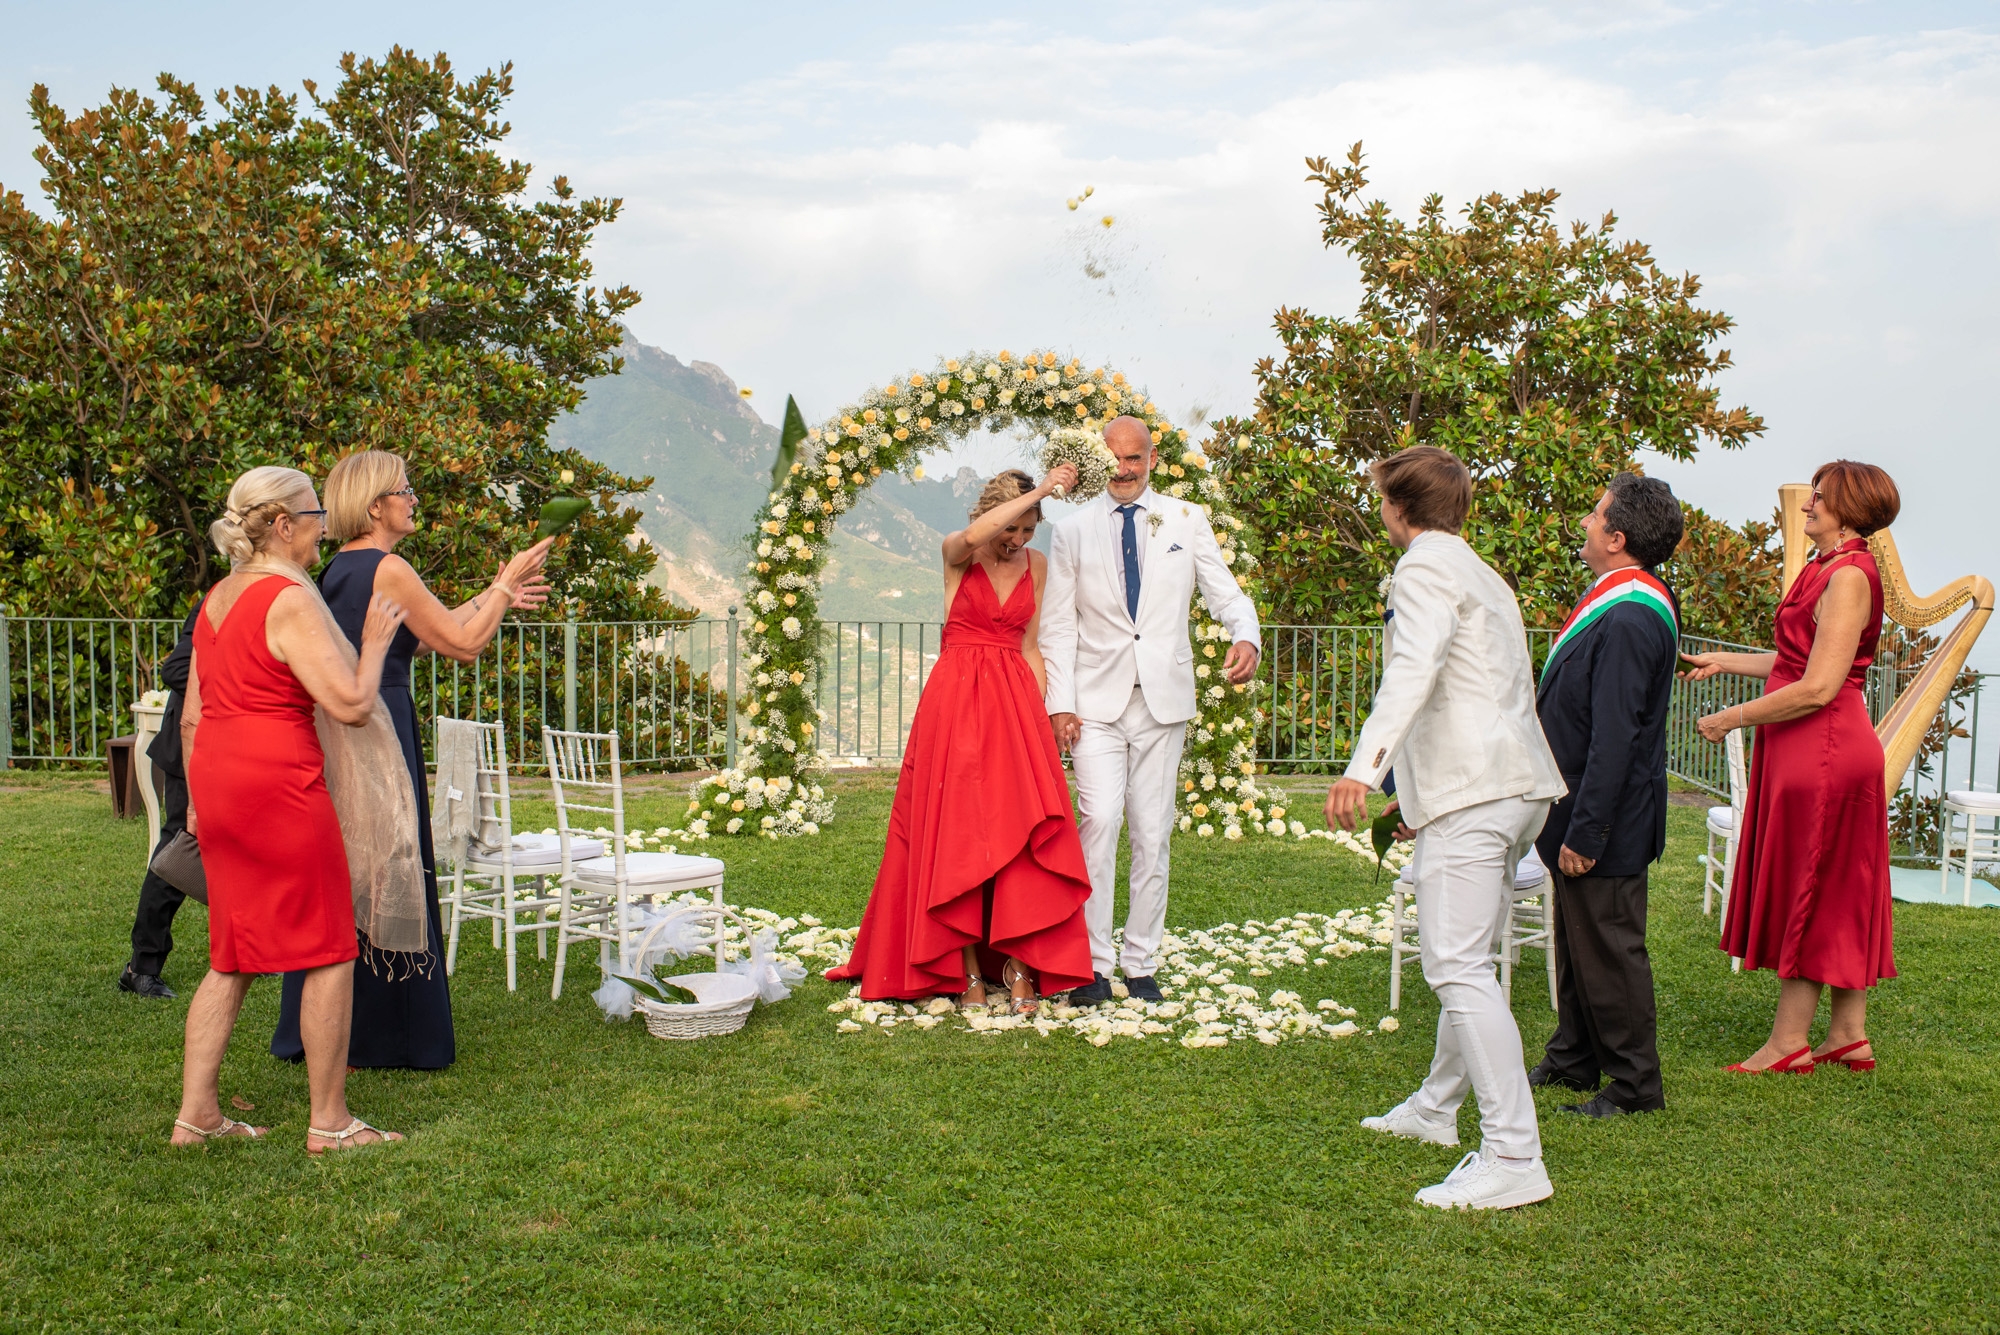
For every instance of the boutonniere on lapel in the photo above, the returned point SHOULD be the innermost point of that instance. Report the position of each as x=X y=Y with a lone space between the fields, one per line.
x=1154 y=520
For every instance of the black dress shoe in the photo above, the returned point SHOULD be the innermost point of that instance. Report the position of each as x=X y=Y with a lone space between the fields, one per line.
x=1098 y=989
x=145 y=985
x=1543 y=1076
x=1143 y=989
x=1597 y=1107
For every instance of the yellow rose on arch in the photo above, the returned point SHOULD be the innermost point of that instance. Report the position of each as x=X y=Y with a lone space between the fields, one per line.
x=781 y=768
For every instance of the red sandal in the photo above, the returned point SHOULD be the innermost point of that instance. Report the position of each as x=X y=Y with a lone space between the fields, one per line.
x=1783 y=1066
x=1839 y=1057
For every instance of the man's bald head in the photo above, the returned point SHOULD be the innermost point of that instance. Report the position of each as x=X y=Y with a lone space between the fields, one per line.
x=1132 y=441
x=1127 y=429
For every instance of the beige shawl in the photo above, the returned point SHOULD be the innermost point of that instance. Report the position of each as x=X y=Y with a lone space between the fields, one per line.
x=372 y=798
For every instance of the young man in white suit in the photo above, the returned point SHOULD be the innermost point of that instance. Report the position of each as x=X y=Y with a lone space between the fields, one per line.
x=1455 y=718
x=1121 y=684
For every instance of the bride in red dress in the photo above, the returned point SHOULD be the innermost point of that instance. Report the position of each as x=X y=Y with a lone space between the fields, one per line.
x=983 y=872
x=1811 y=894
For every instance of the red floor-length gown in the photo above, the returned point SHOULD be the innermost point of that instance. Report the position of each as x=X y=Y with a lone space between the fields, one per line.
x=278 y=893
x=981 y=798
x=1811 y=894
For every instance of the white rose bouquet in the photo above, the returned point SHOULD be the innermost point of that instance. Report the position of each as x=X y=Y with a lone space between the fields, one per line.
x=1086 y=452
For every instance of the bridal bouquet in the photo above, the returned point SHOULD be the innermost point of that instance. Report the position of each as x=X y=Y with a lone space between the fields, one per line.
x=1086 y=452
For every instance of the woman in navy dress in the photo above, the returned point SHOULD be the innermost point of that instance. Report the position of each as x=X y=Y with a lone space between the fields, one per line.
x=401 y=1018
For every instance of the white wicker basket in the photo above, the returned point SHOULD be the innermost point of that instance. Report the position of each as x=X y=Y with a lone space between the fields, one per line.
x=722 y=1001
x=721 y=1006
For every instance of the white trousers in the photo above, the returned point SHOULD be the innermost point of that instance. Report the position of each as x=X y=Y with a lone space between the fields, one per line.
x=1125 y=772
x=1464 y=864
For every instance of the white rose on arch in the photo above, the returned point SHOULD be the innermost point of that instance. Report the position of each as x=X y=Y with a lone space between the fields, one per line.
x=890 y=429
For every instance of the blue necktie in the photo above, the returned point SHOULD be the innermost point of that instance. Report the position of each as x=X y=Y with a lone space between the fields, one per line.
x=1130 y=544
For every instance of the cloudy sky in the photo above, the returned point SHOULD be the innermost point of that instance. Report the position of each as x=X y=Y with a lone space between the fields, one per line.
x=821 y=196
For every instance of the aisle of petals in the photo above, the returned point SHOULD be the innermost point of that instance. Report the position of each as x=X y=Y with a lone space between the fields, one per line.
x=1205 y=1004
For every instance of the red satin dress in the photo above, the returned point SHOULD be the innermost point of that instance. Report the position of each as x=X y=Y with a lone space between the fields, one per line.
x=278 y=893
x=982 y=846
x=1811 y=894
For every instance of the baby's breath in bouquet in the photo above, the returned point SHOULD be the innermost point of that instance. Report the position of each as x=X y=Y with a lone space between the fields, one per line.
x=1084 y=451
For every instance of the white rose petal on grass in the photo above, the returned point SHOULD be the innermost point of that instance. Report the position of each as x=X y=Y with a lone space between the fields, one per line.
x=848 y=1027
x=1388 y=1024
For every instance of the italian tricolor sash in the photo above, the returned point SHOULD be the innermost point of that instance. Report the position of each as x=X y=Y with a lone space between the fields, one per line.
x=1630 y=585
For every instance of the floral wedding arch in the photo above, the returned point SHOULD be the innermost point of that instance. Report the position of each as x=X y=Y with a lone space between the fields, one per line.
x=776 y=787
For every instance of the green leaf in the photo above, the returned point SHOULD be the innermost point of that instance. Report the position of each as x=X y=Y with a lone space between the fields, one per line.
x=1382 y=834
x=654 y=990
x=558 y=513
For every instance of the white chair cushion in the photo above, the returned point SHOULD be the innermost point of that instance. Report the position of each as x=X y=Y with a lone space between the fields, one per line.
x=1722 y=819
x=1967 y=800
x=540 y=850
x=655 y=871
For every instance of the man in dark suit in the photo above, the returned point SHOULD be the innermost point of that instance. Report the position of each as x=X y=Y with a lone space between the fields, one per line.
x=1603 y=703
x=152 y=926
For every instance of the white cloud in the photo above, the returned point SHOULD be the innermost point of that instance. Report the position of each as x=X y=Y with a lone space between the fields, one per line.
x=838 y=223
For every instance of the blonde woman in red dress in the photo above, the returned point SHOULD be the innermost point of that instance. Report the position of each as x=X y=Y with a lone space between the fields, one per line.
x=272 y=844
x=983 y=873
x=1811 y=894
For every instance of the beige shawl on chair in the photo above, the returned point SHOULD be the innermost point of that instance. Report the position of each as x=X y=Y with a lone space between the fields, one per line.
x=372 y=798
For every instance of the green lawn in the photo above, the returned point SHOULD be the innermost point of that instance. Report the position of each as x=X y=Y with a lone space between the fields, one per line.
x=573 y=1175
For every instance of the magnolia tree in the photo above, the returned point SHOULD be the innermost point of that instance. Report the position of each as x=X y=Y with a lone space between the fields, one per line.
x=776 y=789
x=263 y=279
x=1547 y=356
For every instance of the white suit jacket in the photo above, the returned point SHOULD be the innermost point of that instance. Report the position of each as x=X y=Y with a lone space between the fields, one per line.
x=1094 y=650
x=1455 y=713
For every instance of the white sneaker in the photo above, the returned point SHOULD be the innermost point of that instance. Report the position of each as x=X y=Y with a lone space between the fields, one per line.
x=1405 y=1121
x=1484 y=1181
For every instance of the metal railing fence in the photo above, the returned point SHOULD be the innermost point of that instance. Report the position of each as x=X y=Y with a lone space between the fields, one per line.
x=669 y=689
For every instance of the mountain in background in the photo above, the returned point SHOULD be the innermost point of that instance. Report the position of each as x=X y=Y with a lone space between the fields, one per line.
x=709 y=455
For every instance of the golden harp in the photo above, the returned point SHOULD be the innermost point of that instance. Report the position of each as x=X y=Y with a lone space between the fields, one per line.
x=1903 y=727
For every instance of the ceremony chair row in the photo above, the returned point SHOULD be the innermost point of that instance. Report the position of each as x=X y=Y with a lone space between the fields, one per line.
x=566 y=883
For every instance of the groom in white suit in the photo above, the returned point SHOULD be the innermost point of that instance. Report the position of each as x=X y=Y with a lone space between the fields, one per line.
x=1121 y=684
x=1455 y=717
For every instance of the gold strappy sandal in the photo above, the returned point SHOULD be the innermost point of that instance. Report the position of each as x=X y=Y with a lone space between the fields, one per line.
x=229 y=1130
x=341 y=1137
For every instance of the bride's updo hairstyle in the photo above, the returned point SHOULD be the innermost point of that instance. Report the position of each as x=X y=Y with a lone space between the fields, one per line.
x=1004 y=487
x=255 y=502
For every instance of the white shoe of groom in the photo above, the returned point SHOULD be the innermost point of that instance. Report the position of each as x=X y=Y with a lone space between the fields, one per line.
x=1405 y=1121
x=1485 y=1181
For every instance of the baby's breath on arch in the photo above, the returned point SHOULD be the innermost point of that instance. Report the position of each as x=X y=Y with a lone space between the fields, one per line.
x=777 y=787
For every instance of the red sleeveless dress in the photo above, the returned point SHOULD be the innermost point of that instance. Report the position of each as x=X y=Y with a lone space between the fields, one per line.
x=982 y=846
x=278 y=893
x=1811 y=894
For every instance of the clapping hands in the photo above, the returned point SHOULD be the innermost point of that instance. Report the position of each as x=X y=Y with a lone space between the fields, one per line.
x=1705 y=666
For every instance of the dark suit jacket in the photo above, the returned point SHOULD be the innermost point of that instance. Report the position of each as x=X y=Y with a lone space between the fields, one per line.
x=1604 y=711
x=165 y=750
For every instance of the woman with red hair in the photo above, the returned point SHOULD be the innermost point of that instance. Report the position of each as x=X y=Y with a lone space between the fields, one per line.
x=1811 y=893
